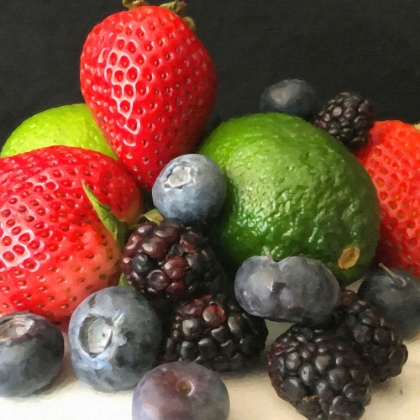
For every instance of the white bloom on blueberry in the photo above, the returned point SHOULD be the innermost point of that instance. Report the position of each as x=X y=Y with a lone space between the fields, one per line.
x=190 y=187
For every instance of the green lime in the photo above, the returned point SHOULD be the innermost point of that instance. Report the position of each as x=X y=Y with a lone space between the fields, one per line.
x=67 y=125
x=292 y=189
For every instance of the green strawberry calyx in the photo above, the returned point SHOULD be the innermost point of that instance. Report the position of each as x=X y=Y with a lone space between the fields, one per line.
x=153 y=216
x=178 y=7
x=123 y=282
x=118 y=228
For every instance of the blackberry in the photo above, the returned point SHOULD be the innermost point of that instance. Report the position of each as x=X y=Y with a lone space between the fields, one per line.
x=379 y=344
x=348 y=117
x=216 y=332
x=170 y=261
x=319 y=373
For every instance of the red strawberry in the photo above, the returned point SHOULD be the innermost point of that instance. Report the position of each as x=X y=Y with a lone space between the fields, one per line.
x=392 y=158
x=54 y=248
x=150 y=85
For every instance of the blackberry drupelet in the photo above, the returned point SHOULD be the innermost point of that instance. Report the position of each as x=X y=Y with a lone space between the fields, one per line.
x=170 y=261
x=215 y=332
x=379 y=344
x=319 y=373
x=348 y=117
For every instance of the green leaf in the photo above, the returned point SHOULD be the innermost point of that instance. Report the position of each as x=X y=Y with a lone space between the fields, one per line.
x=115 y=226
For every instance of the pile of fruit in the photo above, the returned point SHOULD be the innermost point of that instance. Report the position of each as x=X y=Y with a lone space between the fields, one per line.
x=161 y=248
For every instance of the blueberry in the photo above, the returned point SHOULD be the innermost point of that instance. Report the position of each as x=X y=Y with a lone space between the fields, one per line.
x=114 y=338
x=396 y=294
x=180 y=391
x=295 y=289
x=31 y=352
x=190 y=187
x=291 y=96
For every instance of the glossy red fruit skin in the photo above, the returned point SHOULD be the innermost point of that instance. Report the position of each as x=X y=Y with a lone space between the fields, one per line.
x=54 y=249
x=150 y=84
x=108 y=179
x=392 y=158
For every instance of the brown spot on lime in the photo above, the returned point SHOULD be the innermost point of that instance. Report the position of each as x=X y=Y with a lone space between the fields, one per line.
x=349 y=257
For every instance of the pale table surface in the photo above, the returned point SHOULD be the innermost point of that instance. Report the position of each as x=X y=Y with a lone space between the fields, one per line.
x=251 y=396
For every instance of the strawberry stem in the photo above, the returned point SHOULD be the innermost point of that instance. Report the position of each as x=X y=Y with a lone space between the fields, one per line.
x=178 y=7
x=133 y=4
